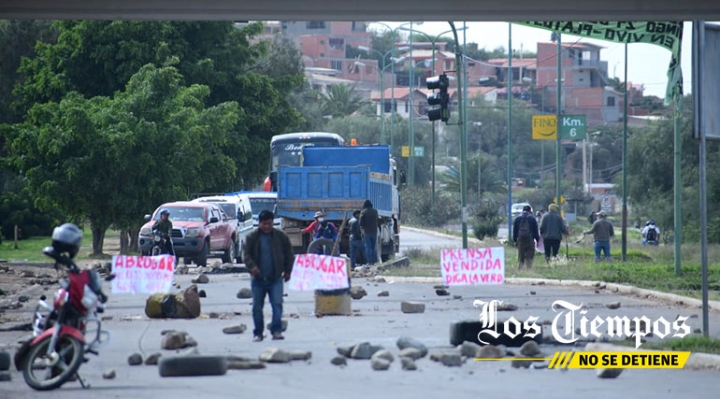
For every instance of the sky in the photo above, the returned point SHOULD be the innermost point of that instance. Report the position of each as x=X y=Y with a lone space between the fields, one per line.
x=647 y=63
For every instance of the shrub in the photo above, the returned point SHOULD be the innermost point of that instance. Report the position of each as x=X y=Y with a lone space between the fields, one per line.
x=486 y=217
x=417 y=210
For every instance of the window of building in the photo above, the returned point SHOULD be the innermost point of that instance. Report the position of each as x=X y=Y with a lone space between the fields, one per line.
x=611 y=101
x=336 y=65
x=359 y=26
x=407 y=107
x=336 y=43
x=315 y=25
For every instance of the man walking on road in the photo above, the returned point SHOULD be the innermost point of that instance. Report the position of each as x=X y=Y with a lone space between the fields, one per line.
x=369 y=226
x=525 y=235
x=601 y=230
x=269 y=258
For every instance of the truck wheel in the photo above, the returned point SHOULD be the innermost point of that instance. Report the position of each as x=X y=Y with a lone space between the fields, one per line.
x=201 y=259
x=385 y=257
x=192 y=365
x=229 y=255
x=320 y=242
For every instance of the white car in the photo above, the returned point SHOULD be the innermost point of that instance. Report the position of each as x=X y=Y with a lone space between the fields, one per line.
x=262 y=200
x=237 y=207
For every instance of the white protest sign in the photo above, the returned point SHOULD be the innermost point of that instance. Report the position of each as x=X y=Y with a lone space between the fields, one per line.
x=473 y=266
x=142 y=274
x=318 y=272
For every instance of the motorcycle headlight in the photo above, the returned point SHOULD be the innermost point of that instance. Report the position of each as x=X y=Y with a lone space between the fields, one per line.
x=89 y=299
x=145 y=231
x=192 y=233
x=157 y=238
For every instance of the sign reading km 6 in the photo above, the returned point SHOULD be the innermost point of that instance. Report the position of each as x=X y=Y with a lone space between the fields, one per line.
x=572 y=127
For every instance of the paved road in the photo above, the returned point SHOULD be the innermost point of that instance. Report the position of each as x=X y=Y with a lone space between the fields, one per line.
x=379 y=321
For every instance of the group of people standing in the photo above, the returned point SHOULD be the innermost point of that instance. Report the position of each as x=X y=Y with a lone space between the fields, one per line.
x=549 y=229
x=363 y=233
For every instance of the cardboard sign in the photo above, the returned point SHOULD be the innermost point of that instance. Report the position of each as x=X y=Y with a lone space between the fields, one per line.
x=318 y=272
x=473 y=266
x=142 y=274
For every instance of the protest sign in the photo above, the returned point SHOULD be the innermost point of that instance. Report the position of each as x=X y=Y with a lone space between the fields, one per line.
x=318 y=272
x=142 y=274
x=666 y=34
x=473 y=266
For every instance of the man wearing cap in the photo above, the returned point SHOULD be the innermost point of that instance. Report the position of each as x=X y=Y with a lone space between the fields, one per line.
x=165 y=226
x=601 y=230
x=315 y=225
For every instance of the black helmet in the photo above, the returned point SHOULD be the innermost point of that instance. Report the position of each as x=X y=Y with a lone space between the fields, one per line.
x=651 y=221
x=67 y=238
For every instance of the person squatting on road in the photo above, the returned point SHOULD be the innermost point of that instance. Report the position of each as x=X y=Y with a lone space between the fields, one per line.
x=369 y=226
x=269 y=258
x=356 y=239
x=525 y=237
x=601 y=230
x=552 y=228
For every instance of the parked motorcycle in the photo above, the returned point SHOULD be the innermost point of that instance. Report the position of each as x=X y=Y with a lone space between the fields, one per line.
x=58 y=347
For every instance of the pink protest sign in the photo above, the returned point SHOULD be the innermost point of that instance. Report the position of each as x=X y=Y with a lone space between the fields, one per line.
x=318 y=272
x=473 y=266
x=142 y=274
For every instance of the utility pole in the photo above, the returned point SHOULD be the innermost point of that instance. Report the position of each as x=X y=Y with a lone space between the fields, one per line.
x=463 y=140
x=558 y=148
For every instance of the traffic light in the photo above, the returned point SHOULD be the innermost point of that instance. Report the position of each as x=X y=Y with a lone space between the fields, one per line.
x=442 y=98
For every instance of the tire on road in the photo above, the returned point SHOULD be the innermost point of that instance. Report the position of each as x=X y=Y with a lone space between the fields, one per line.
x=201 y=259
x=192 y=365
x=320 y=242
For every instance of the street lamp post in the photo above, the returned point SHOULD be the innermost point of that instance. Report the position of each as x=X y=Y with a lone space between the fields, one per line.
x=392 y=90
x=393 y=60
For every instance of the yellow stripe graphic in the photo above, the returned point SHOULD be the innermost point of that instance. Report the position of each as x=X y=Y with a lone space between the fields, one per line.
x=567 y=360
x=552 y=361
x=560 y=359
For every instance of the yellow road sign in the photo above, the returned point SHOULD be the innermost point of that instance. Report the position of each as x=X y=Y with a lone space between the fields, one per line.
x=405 y=151
x=544 y=127
x=562 y=200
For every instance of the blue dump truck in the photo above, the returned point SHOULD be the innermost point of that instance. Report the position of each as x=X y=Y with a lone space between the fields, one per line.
x=336 y=181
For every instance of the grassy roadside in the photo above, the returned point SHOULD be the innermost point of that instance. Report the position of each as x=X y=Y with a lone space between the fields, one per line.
x=30 y=250
x=645 y=266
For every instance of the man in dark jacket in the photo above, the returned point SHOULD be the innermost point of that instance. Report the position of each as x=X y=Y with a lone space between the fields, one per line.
x=525 y=235
x=269 y=258
x=369 y=226
x=552 y=228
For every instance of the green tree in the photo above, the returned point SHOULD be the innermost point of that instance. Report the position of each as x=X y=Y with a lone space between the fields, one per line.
x=89 y=157
x=342 y=100
x=98 y=58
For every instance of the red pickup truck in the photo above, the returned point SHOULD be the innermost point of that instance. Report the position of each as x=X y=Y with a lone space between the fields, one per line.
x=200 y=230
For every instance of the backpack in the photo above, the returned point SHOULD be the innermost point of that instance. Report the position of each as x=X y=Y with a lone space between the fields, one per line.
x=328 y=231
x=651 y=234
x=524 y=228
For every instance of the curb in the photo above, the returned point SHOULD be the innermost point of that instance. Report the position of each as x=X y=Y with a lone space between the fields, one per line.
x=696 y=361
x=437 y=234
x=619 y=288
